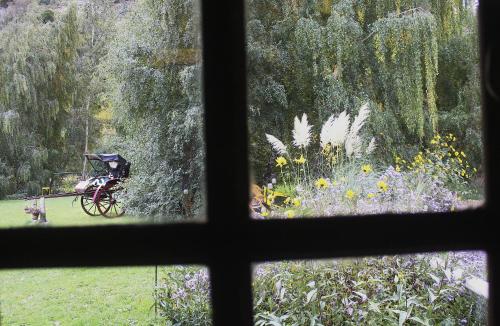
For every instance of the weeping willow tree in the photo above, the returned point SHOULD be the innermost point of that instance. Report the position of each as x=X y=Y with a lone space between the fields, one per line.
x=325 y=56
x=36 y=89
x=406 y=52
x=154 y=65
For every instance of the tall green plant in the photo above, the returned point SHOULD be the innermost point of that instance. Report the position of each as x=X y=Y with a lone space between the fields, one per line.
x=37 y=78
x=154 y=65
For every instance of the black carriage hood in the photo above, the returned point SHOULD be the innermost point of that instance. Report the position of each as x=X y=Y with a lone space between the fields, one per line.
x=106 y=157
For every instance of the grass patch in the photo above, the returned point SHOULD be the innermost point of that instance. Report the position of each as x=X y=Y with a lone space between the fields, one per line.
x=60 y=212
x=77 y=296
x=74 y=296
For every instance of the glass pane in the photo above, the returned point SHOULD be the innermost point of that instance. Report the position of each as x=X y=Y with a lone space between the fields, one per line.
x=100 y=104
x=105 y=296
x=424 y=289
x=363 y=107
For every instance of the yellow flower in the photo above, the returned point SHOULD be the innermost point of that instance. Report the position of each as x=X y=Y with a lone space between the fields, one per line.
x=327 y=149
x=321 y=183
x=456 y=153
x=370 y=195
x=296 y=202
x=350 y=194
x=290 y=213
x=264 y=213
x=398 y=168
x=281 y=161
x=463 y=154
x=382 y=186
x=300 y=160
x=367 y=168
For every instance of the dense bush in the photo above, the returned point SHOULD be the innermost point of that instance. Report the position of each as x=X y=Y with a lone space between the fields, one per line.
x=183 y=296
x=156 y=99
x=370 y=291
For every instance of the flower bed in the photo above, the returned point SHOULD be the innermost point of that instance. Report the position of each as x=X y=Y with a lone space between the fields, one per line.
x=371 y=291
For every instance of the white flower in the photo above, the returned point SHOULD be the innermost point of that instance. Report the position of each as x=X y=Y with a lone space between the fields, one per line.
x=353 y=140
x=277 y=144
x=371 y=146
x=335 y=131
x=301 y=132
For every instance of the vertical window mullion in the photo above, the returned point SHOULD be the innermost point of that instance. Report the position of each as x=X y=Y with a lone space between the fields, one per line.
x=490 y=72
x=224 y=85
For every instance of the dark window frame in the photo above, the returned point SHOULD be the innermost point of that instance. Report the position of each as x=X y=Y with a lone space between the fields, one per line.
x=230 y=242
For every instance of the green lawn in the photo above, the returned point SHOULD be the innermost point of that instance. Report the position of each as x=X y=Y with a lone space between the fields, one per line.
x=60 y=212
x=77 y=296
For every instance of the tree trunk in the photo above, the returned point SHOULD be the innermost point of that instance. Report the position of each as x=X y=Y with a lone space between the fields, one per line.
x=86 y=137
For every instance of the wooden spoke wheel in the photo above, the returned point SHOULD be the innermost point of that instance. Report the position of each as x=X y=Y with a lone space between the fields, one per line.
x=109 y=205
x=88 y=205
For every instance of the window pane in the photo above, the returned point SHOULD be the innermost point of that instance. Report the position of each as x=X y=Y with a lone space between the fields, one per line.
x=97 y=296
x=363 y=107
x=118 y=80
x=425 y=289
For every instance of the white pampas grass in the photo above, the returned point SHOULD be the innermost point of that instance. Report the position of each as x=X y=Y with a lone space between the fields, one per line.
x=277 y=144
x=371 y=146
x=335 y=131
x=301 y=132
x=353 y=140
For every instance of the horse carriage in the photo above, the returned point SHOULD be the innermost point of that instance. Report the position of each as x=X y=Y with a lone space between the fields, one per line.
x=99 y=194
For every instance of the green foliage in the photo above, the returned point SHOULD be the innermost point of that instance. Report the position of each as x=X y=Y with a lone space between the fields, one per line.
x=369 y=291
x=156 y=97
x=47 y=16
x=405 y=47
x=37 y=75
x=444 y=161
x=323 y=57
x=183 y=296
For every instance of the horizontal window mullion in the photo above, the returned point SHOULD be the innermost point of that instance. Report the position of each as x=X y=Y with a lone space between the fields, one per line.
x=258 y=240
x=104 y=246
x=370 y=235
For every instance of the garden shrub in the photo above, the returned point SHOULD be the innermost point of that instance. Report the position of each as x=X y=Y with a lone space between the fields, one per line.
x=183 y=296
x=371 y=291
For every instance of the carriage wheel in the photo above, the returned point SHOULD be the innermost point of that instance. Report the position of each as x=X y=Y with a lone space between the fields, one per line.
x=111 y=206
x=88 y=204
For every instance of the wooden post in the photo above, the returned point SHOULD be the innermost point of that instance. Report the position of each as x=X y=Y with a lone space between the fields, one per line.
x=43 y=217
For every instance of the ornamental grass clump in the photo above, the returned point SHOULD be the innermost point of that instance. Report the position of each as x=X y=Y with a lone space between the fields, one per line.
x=306 y=168
x=340 y=179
